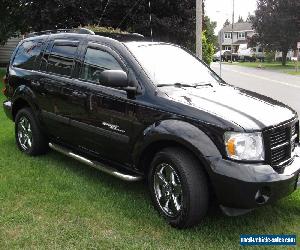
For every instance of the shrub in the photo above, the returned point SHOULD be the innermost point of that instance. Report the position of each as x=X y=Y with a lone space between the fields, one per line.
x=207 y=49
x=270 y=56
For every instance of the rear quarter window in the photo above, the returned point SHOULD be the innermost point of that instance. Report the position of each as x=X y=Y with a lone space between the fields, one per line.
x=27 y=53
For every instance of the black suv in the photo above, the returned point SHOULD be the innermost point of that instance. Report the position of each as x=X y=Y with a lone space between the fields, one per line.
x=137 y=109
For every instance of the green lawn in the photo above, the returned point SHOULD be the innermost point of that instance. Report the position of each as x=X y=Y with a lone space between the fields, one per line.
x=53 y=202
x=277 y=66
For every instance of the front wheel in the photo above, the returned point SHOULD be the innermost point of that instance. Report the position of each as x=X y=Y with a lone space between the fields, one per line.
x=29 y=136
x=178 y=187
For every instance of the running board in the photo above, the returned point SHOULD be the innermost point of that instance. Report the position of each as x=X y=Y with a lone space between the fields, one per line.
x=102 y=167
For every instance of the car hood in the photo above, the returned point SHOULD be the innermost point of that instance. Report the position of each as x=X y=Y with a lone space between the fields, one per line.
x=249 y=110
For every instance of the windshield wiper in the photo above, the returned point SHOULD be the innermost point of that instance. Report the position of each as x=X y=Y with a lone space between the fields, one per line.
x=203 y=84
x=180 y=85
x=177 y=84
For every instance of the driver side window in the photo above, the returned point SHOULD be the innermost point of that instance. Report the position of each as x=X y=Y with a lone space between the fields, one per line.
x=95 y=62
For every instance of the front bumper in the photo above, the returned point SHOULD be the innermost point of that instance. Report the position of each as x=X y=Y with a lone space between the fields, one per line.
x=247 y=186
x=7 y=106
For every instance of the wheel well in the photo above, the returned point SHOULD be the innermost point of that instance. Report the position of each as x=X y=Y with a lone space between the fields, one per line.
x=150 y=151
x=19 y=104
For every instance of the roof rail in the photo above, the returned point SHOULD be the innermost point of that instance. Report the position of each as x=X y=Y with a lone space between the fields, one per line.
x=48 y=32
x=122 y=36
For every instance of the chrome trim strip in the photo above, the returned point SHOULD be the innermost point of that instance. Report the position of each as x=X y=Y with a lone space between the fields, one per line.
x=100 y=166
x=280 y=145
x=284 y=162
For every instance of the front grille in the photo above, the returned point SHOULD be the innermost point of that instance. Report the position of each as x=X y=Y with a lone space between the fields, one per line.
x=281 y=143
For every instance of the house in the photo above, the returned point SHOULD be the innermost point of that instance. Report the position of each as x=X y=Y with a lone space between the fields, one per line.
x=238 y=38
x=7 y=49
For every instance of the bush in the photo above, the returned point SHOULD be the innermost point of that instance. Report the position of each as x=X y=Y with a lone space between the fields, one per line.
x=101 y=29
x=207 y=50
x=270 y=56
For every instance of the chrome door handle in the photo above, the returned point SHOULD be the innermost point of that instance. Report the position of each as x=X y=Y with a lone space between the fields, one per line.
x=79 y=94
x=35 y=83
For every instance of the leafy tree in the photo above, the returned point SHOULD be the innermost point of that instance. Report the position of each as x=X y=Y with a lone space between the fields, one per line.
x=10 y=24
x=208 y=49
x=172 y=20
x=240 y=20
x=277 y=24
x=226 y=23
x=209 y=27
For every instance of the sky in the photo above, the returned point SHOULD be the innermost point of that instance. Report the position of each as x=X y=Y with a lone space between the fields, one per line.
x=220 y=10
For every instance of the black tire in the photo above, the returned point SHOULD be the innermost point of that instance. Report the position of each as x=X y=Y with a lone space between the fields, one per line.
x=194 y=187
x=38 y=142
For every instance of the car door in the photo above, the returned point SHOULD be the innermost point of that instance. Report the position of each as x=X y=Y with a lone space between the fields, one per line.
x=108 y=124
x=58 y=90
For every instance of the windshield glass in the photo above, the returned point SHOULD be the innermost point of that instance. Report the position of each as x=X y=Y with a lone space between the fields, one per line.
x=168 y=64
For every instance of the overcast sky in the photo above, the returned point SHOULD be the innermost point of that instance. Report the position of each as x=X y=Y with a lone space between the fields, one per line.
x=220 y=10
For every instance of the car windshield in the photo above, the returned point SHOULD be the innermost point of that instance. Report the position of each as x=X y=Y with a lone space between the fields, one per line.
x=168 y=64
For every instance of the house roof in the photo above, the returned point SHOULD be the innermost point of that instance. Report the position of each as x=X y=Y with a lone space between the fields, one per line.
x=240 y=42
x=238 y=27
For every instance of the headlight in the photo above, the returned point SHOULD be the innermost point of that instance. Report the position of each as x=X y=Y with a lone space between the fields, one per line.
x=244 y=146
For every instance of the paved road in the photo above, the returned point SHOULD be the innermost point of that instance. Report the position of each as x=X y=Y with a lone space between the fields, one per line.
x=279 y=86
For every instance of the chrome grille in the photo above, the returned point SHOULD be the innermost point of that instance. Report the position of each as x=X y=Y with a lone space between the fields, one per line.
x=278 y=137
x=282 y=143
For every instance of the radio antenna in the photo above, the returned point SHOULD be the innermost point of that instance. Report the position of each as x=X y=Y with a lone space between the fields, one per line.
x=150 y=20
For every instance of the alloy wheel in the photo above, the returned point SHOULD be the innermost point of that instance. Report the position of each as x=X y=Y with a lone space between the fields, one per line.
x=24 y=133
x=168 y=190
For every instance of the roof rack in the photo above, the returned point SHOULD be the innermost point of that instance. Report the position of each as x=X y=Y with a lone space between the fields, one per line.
x=47 y=32
x=122 y=36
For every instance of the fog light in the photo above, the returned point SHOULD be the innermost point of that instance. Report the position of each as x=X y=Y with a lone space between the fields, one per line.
x=263 y=195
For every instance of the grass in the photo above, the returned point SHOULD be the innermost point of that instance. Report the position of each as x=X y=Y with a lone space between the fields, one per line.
x=53 y=202
x=276 y=66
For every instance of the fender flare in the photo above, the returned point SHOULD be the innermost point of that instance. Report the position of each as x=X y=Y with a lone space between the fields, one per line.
x=179 y=132
x=24 y=93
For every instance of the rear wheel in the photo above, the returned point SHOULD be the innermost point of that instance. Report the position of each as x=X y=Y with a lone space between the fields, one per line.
x=29 y=136
x=178 y=187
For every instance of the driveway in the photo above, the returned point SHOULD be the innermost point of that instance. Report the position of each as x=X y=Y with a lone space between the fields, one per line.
x=279 y=86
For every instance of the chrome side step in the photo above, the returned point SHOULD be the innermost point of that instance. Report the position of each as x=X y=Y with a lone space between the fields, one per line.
x=102 y=167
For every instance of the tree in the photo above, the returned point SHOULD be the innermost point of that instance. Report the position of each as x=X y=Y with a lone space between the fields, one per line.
x=10 y=24
x=172 y=20
x=209 y=28
x=240 y=20
x=226 y=23
x=277 y=24
x=208 y=49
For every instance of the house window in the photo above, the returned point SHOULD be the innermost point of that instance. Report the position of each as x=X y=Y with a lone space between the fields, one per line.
x=228 y=35
x=228 y=48
x=242 y=35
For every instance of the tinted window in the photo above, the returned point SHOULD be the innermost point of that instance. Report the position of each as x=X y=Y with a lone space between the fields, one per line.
x=61 y=59
x=27 y=54
x=95 y=62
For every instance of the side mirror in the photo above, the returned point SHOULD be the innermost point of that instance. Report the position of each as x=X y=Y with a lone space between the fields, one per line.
x=114 y=78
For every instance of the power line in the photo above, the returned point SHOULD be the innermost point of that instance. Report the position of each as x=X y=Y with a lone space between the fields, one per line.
x=105 y=8
x=129 y=12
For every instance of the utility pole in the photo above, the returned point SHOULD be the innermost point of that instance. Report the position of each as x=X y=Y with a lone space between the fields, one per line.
x=199 y=28
x=232 y=31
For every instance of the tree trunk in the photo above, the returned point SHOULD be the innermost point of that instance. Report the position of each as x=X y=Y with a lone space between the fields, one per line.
x=284 y=56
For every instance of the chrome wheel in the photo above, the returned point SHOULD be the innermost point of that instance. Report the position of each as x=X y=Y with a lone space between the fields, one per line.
x=168 y=190
x=24 y=133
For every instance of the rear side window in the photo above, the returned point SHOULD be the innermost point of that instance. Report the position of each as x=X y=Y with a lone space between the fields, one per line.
x=61 y=59
x=27 y=53
x=95 y=62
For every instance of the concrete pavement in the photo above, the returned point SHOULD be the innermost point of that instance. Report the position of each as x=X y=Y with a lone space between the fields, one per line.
x=279 y=86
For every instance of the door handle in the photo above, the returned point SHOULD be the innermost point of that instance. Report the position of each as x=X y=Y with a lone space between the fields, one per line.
x=78 y=94
x=35 y=83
